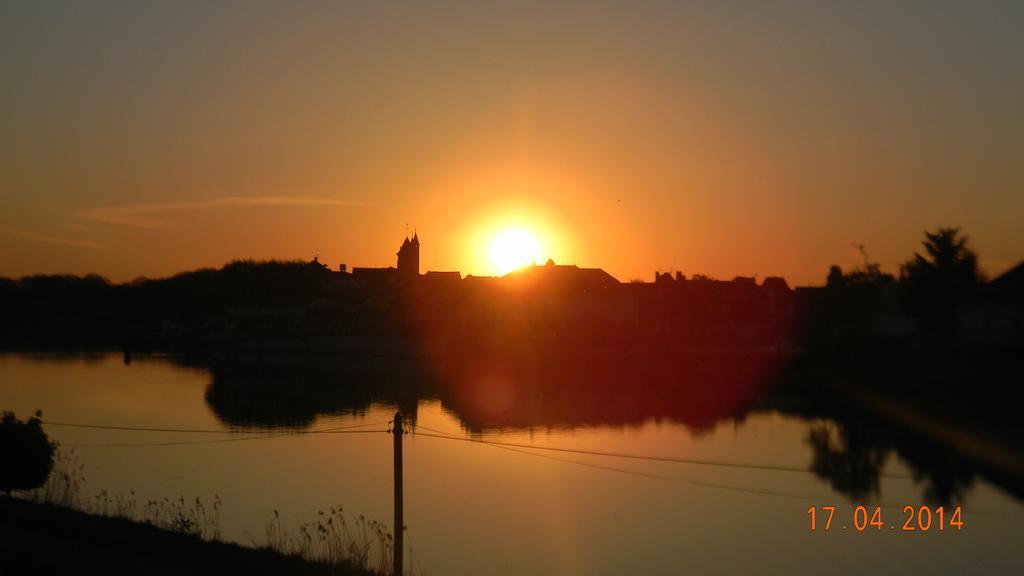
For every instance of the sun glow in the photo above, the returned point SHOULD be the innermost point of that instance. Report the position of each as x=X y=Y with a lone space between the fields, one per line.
x=513 y=249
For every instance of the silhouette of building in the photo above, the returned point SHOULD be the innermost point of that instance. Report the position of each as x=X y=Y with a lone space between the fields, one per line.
x=780 y=297
x=408 y=266
x=997 y=319
x=562 y=278
x=442 y=279
x=409 y=257
x=703 y=311
x=316 y=264
x=558 y=300
x=1007 y=288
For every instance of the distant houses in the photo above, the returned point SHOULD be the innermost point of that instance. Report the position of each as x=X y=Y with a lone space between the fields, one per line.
x=551 y=300
x=408 y=268
x=997 y=320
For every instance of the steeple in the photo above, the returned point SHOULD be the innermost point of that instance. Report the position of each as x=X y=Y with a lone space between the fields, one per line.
x=409 y=257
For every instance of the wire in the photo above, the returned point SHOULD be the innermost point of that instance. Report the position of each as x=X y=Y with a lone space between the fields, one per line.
x=651 y=458
x=222 y=440
x=666 y=478
x=756 y=491
x=198 y=430
x=626 y=471
x=510 y=446
x=248 y=434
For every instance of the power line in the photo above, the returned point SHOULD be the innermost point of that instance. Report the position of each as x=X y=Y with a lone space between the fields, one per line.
x=651 y=458
x=246 y=434
x=503 y=446
x=756 y=491
x=439 y=434
x=200 y=430
x=510 y=446
x=222 y=440
x=661 y=477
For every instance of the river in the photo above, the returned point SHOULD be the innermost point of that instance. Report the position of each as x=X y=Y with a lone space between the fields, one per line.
x=479 y=508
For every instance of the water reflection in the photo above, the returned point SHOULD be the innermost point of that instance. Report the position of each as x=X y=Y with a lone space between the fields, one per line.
x=498 y=392
x=850 y=453
x=475 y=508
x=293 y=395
x=848 y=457
x=850 y=445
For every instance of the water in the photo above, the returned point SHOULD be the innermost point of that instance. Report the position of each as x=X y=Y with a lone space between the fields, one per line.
x=473 y=508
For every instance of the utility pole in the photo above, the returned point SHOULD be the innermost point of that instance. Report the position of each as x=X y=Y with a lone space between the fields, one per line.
x=398 y=431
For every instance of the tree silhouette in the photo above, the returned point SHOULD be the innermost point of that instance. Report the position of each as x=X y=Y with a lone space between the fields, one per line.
x=933 y=285
x=26 y=454
x=851 y=459
x=835 y=279
x=849 y=304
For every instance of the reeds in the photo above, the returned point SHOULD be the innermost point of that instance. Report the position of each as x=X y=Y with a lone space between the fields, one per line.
x=64 y=488
x=63 y=485
x=333 y=538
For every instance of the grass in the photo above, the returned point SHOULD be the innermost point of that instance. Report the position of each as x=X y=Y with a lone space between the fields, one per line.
x=38 y=538
x=332 y=539
x=333 y=543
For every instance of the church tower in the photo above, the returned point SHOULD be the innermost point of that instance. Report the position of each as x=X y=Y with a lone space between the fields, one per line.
x=409 y=257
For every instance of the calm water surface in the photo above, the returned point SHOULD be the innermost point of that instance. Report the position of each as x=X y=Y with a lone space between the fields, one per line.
x=479 y=509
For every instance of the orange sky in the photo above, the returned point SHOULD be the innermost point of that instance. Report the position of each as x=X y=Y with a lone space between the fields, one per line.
x=726 y=139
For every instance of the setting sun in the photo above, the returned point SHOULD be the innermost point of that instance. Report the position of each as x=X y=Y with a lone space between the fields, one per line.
x=734 y=285
x=512 y=249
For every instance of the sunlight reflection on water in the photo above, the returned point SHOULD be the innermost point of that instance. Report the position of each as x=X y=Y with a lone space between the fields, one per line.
x=479 y=508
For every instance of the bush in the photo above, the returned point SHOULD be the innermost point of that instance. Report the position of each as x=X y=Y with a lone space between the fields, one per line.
x=26 y=454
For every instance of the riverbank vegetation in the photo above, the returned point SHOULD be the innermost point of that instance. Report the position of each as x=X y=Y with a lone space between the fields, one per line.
x=39 y=538
x=55 y=528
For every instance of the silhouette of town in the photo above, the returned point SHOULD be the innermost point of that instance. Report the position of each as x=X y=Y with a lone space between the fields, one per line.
x=708 y=287
x=551 y=299
x=873 y=360
x=267 y=308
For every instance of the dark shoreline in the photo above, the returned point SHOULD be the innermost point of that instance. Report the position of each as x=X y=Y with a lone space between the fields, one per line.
x=46 y=539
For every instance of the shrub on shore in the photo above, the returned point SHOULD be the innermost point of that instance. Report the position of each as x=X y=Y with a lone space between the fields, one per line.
x=26 y=453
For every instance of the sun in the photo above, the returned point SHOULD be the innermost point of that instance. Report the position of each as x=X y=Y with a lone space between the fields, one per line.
x=512 y=249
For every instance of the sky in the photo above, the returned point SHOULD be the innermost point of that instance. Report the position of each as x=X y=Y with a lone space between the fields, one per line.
x=723 y=138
